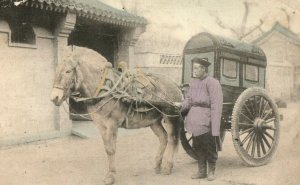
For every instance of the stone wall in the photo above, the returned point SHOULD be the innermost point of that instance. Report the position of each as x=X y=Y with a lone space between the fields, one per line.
x=27 y=74
x=168 y=65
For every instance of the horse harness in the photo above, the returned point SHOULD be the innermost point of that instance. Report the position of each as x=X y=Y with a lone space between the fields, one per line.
x=128 y=87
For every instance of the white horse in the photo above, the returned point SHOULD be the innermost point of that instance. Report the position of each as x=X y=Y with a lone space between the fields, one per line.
x=84 y=69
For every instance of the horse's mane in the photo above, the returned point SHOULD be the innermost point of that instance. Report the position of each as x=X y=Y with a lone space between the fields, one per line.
x=85 y=56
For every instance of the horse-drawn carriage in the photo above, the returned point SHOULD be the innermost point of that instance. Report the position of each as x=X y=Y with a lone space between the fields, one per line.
x=134 y=100
x=248 y=111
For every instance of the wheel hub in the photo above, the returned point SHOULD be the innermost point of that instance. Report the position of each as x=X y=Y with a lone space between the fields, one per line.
x=258 y=124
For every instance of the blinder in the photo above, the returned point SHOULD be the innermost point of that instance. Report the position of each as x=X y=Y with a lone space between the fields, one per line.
x=71 y=85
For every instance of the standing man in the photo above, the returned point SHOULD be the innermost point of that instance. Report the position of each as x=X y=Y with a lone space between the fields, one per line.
x=202 y=107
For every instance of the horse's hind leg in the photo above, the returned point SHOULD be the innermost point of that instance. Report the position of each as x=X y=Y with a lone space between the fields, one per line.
x=172 y=134
x=160 y=132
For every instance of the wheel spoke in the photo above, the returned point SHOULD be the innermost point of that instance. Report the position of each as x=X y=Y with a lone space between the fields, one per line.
x=258 y=145
x=247 y=137
x=269 y=135
x=260 y=103
x=270 y=120
x=252 y=108
x=251 y=121
x=247 y=130
x=250 y=142
x=268 y=112
x=255 y=106
x=249 y=112
x=262 y=112
x=268 y=127
x=253 y=146
x=266 y=141
x=262 y=145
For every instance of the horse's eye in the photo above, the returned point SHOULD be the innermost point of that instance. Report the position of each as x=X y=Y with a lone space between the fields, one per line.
x=69 y=71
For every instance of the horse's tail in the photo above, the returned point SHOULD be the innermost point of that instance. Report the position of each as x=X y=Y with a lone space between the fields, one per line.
x=177 y=128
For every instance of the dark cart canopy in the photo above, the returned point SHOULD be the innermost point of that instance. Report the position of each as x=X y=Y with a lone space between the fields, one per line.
x=205 y=42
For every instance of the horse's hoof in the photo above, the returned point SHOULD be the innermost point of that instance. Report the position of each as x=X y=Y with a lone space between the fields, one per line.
x=167 y=171
x=157 y=170
x=109 y=179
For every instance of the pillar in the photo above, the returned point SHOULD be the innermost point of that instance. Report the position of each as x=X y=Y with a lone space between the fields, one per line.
x=127 y=40
x=65 y=25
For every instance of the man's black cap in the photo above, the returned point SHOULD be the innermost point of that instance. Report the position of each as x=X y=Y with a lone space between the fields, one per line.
x=201 y=61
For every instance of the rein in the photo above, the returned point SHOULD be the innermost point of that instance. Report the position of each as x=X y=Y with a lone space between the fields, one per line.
x=99 y=96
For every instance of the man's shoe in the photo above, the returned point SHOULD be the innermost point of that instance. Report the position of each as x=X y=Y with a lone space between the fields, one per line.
x=202 y=170
x=211 y=176
x=199 y=176
x=211 y=171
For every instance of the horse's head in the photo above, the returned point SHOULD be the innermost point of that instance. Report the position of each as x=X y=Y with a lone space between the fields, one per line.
x=66 y=80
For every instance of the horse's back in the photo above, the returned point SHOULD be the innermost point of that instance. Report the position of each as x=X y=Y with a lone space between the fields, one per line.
x=158 y=89
x=167 y=88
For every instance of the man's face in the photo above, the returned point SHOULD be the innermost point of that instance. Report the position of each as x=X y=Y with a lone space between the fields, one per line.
x=198 y=70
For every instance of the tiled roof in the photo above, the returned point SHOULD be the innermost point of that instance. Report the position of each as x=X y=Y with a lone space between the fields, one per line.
x=91 y=9
x=281 y=29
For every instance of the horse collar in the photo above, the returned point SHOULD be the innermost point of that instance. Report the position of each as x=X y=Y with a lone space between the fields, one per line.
x=101 y=82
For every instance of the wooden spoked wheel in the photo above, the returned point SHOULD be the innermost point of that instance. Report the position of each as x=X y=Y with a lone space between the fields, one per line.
x=187 y=142
x=255 y=126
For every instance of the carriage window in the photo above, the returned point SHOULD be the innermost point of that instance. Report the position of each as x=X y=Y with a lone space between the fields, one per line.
x=251 y=73
x=229 y=68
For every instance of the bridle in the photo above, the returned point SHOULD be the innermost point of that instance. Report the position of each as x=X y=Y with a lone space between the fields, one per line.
x=71 y=84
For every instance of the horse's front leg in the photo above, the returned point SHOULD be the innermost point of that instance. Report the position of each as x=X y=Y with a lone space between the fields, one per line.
x=109 y=135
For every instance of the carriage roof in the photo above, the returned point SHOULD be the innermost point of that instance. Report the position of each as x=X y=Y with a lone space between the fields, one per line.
x=206 y=42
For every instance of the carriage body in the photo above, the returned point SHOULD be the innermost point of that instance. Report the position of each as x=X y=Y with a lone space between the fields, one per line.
x=241 y=70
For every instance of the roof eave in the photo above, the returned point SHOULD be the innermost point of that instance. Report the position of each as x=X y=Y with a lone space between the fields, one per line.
x=97 y=14
x=280 y=29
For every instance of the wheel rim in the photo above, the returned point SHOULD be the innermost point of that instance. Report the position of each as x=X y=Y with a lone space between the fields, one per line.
x=257 y=126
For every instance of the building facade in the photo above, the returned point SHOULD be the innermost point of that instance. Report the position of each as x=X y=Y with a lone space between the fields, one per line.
x=33 y=35
x=282 y=48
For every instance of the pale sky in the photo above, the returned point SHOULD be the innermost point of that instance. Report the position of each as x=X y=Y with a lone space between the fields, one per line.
x=178 y=20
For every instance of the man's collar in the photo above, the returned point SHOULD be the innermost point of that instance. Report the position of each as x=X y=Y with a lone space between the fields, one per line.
x=203 y=77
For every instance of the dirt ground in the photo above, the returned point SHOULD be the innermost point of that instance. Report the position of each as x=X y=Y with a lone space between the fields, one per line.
x=76 y=161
